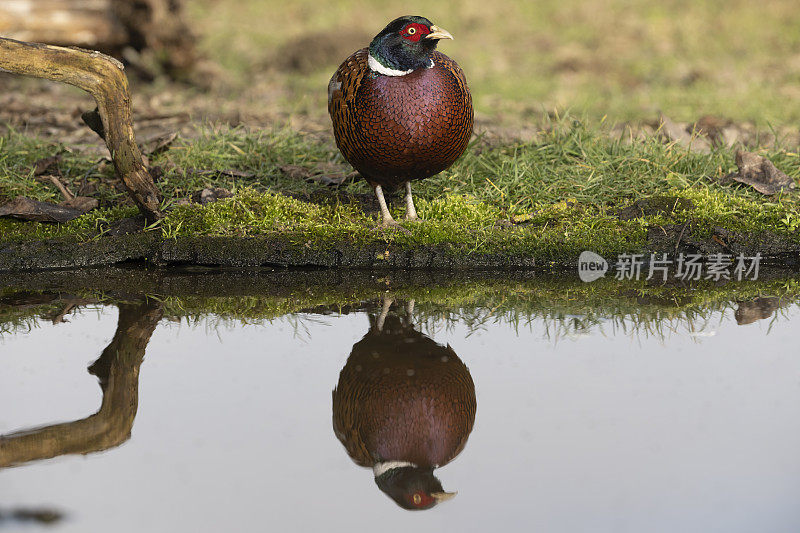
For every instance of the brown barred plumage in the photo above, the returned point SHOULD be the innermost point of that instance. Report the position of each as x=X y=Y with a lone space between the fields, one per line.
x=403 y=397
x=394 y=129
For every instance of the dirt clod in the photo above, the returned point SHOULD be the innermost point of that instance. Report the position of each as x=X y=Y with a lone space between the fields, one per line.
x=323 y=173
x=683 y=136
x=207 y=196
x=318 y=50
x=47 y=165
x=754 y=310
x=665 y=205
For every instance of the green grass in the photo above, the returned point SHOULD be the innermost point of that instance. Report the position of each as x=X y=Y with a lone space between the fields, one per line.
x=84 y=228
x=571 y=161
x=557 y=195
x=18 y=155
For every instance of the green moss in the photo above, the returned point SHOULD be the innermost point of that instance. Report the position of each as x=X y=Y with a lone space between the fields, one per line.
x=715 y=207
x=463 y=222
x=550 y=198
x=81 y=229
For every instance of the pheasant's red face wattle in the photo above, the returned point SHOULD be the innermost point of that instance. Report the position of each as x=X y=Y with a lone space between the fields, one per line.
x=421 y=500
x=414 y=32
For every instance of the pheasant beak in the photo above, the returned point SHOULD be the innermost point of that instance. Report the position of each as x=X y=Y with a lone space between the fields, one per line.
x=438 y=33
x=443 y=496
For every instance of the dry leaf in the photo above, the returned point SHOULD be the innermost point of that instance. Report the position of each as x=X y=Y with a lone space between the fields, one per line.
x=46 y=165
x=83 y=204
x=156 y=145
x=758 y=309
x=27 y=209
x=760 y=173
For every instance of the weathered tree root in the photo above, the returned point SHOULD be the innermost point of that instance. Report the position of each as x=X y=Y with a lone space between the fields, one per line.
x=104 y=78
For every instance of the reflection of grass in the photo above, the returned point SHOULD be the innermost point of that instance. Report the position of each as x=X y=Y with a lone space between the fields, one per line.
x=17 y=319
x=561 y=307
x=556 y=308
x=621 y=58
x=567 y=308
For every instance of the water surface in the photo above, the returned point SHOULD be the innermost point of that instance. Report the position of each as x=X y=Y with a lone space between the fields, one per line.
x=548 y=420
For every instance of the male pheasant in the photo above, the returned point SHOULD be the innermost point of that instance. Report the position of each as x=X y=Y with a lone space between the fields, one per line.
x=404 y=405
x=401 y=111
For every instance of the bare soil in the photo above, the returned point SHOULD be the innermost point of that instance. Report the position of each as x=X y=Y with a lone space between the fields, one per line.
x=53 y=111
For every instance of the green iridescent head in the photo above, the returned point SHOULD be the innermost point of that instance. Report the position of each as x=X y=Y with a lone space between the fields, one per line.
x=406 y=44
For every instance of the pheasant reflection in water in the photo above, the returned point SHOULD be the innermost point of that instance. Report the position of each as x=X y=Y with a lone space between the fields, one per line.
x=404 y=406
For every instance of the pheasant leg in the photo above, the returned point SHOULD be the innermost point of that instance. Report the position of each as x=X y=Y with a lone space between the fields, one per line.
x=387 y=305
x=385 y=215
x=411 y=211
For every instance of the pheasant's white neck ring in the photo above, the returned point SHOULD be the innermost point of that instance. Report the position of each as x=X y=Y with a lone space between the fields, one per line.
x=375 y=66
x=381 y=468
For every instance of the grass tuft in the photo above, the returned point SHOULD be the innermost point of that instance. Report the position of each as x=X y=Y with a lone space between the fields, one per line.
x=552 y=197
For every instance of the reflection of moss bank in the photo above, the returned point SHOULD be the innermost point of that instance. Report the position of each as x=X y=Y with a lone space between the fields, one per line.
x=476 y=299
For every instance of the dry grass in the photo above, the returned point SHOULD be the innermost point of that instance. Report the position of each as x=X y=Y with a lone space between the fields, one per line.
x=628 y=59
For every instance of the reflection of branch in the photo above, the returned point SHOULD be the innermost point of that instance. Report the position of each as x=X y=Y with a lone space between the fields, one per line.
x=118 y=372
x=40 y=516
x=59 y=318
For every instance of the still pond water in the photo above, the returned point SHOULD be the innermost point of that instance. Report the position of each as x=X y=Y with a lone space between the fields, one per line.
x=283 y=424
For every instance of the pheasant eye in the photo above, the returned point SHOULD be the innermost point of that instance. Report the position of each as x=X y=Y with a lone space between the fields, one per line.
x=411 y=31
x=416 y=499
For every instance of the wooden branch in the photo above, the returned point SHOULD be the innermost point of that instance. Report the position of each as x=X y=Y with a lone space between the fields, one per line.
x=64 y=22
x=104 y=78
x=155 y=28
x=118 y=372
